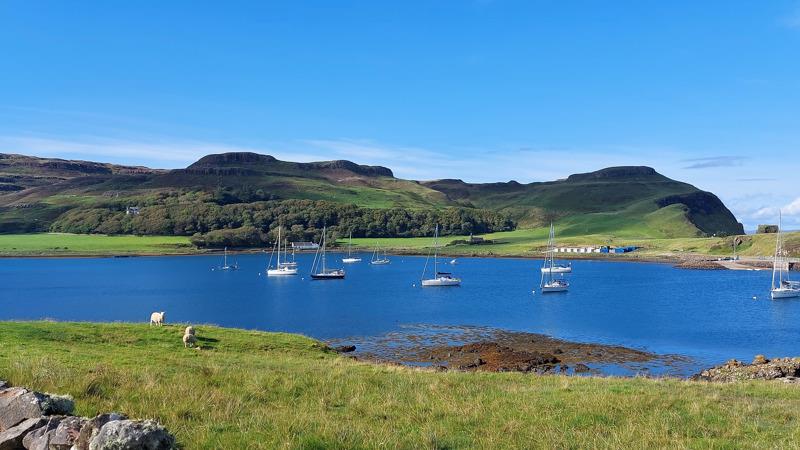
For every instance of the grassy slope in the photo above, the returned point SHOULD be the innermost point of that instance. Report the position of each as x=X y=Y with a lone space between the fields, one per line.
x=264 y=390
x=54 y=244
x=528 y=242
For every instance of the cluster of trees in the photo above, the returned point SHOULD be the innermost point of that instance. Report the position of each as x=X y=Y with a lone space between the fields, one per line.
x=214 y=224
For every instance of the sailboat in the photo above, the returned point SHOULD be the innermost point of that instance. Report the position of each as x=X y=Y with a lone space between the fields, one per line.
x=549 y=283
x=280 y=267
x=324 y=273
x=225 y=266
x=439 y=278
x=555 y=268
x=782 y=287
x=350 y=258
x=286 y=262
x=377 y=260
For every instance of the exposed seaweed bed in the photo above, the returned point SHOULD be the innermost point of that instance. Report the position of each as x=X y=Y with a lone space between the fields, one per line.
x=487 y=349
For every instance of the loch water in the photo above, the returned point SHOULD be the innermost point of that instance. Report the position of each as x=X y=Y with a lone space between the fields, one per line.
x=710 y=316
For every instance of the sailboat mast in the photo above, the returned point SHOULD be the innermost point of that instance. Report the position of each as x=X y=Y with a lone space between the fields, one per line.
x=279 y=246
x=776 y=260
x=436 y=252
x=324 y=241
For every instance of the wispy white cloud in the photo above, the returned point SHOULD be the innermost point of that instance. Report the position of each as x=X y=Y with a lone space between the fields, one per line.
x=793 y=208
x=714 y=162
x=792 y=20
x=171 y=153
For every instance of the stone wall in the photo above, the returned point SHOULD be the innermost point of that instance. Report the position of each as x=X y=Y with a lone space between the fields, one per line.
x=32 y=420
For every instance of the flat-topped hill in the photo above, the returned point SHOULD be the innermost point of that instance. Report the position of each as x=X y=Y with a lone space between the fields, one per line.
x=35 y=192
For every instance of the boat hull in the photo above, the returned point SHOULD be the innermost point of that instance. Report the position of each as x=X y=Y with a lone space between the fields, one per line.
x=351 y=260
x=785 y=293
x=327 y=276
x=281 y=272
x=380 y=262
x=441 y=282
x=560 y=269
x=554 y=286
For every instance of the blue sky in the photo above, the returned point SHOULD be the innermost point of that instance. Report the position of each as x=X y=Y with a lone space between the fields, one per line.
x=705 y=92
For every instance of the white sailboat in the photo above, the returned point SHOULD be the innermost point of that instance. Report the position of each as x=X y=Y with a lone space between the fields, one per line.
x=350 y=258
x=377 y=259
x=324 y=273
x=281 y=268
x=225 y=266
x=555 y=268
x=782 y=287
x=439 y=278
x=548 y=282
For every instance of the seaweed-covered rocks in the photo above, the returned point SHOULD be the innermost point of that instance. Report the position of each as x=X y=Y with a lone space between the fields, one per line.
x=785 y=369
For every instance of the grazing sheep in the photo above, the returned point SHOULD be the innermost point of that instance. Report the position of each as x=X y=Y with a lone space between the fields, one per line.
x=189 y=340
x=189 y=330
x=157 y=318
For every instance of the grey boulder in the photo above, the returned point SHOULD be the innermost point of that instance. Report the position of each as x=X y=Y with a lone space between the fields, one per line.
x=132 y=435
x=92 y=427
x=59 y=433
x=11 y=439
x=18 y=404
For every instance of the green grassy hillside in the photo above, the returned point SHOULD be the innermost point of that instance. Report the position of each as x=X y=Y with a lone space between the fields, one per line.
x=248 y=389
x=629 y=201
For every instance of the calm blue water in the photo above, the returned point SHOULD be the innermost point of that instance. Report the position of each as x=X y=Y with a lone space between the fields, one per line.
x=708 y=315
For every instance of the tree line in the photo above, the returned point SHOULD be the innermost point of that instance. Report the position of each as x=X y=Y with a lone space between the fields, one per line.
x=247 y=224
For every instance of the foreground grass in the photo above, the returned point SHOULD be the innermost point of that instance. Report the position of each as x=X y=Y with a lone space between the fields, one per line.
x=265 y=390
x=55 y=244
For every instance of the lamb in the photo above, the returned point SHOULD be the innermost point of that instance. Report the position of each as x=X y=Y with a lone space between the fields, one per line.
x=189 y=340
x=189 y=330
x=157 y=318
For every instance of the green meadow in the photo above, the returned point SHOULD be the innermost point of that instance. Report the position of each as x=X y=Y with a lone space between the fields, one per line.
x=247 y=389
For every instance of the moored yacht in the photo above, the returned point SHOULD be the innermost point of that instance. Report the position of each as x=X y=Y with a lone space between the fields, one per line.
x=350 y=258
x=548 y=282
x=782 y=287
x=281 y=267
x=324 y=273
x=439 y=278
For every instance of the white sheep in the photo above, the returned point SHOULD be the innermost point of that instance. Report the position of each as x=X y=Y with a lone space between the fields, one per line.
x=189 y=330
x=157 y=318
x=189 y=340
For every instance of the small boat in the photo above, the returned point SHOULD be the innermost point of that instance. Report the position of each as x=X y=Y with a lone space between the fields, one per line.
x=548 y=282
x=225 y=266
x=782 y=287
x=558 y=268
x=453 y=262
x=324 y=273
x=377 y=259
x=281 y=268
x=439 y=278
x=350 y=258
x=291 y=263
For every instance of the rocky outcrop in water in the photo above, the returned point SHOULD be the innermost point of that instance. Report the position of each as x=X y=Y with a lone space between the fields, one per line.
x=784 y=369
x=32 y=420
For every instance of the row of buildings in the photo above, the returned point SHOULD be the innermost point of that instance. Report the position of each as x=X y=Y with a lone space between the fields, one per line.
x=602 y=249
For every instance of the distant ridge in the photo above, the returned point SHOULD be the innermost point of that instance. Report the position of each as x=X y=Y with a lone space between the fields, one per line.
x=252 y=163
x=627 y=200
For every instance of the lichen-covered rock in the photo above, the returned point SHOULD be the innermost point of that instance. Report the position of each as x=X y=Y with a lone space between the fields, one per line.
x=11 y=439
x=132 y=435
x=58 y=433
x=18 y=404
x=92 y=427
x=760 y=359
x=39 y=438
